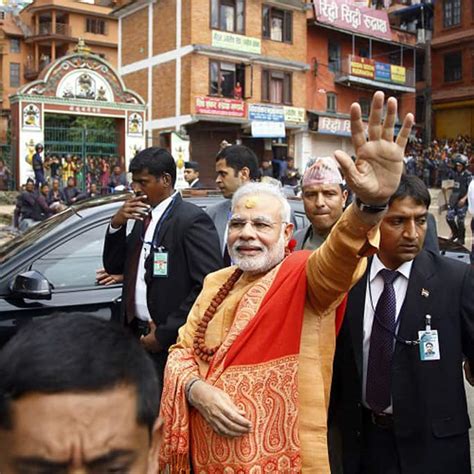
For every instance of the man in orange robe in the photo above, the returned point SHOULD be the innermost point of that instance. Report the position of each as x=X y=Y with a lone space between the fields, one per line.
x=245 y=390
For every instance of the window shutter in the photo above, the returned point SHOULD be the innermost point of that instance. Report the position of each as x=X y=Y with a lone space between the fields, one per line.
x=287 y=88
x=266 y=21
x=265 y=85
x=288 y=26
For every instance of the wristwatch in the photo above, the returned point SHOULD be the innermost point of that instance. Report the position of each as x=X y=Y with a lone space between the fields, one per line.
x=370 y=208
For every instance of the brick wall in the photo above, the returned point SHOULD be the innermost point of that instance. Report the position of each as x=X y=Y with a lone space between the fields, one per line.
x=138 y=82
x=135 y=37
x=164 y=90
x=164 y=26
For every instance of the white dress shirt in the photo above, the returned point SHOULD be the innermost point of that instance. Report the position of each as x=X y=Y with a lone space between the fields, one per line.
x=141 y=307
x=375 y=286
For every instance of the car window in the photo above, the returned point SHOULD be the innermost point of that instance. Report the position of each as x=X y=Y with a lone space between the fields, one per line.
x=73 y=263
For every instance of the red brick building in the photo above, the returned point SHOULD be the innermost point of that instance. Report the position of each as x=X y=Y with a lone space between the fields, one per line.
x=352 y=51
x=453 y=68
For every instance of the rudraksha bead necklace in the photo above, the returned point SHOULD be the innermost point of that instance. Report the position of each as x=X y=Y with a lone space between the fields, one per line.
x=200 y=349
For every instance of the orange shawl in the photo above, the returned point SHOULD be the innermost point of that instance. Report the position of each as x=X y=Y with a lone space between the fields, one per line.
x=257 y=366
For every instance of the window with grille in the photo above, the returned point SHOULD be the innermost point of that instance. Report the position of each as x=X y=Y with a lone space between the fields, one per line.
x=14 y=45
x=451 y=13
x=228 y=15
x=277 y=24
x=334 y=56
x=95 y=25
x=453 y=67
x=276 y=86
x=331 y=102
x=14 y=74
x=227 y=79
x=364 y=106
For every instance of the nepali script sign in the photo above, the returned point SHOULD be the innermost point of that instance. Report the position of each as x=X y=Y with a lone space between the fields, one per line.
x=216 y=106
x=345 y=15
x=246 y=44
x=336 y=126
x=362 y=67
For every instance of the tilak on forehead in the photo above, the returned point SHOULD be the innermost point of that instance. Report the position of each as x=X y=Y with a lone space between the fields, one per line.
x=251 y=202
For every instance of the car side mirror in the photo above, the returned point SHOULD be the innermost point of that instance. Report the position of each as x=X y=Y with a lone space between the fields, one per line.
x=32 y=285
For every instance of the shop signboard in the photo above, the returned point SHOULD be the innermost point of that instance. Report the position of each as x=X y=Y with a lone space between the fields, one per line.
x=398 y=74
x=267 y=129
x=266 y=113
x=349 y=16
x=335 y=126
x=382 y=72
x=245 y=44
x=362 y=67
x=294 y=114
x=222 y=107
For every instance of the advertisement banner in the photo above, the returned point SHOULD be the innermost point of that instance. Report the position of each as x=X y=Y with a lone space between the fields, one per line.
x=362 y=67
x=294 y=114
x=382 y=72
x=266 y=113
x=398 y=74
x=246 y=44
x=348 y=16
x=217 y=106
x=266 y=129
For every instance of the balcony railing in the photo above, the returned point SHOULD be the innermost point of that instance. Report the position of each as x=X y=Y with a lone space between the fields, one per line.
x=371 y=73
x=48 y=29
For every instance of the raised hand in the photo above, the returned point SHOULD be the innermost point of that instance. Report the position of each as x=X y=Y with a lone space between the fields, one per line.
x=133 y=208
x=375 y=175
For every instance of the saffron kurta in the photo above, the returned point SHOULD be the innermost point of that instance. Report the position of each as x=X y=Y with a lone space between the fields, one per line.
x=331 y=271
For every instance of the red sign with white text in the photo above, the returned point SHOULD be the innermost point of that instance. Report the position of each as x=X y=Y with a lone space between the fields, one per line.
x=218 y=106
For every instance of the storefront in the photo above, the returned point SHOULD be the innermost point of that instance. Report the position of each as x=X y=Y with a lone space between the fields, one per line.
x=453 y=119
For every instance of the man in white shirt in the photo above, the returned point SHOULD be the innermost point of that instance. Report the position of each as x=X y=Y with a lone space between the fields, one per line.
x=173 y=245
x=396 y=409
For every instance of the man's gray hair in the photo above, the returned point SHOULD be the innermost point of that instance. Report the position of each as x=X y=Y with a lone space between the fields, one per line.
x=263 y=189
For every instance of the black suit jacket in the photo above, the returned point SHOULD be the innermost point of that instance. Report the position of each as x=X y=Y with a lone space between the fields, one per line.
x=431 y=422
x=190 y=238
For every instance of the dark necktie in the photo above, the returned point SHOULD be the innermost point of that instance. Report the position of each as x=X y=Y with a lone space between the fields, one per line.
x=379 y=367
x=132 y=276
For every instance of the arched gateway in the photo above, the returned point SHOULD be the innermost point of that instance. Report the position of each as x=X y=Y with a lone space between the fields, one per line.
x=80 y=84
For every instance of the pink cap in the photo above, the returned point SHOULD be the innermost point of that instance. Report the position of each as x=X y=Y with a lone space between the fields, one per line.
x=325 y=170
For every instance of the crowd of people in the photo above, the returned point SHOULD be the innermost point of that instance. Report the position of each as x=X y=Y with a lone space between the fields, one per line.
x=106 y=172
x=435 y=163
x=338 y=350
x=62 y=181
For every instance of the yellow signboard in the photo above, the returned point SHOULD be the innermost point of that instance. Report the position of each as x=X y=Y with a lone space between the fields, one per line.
x=398 y=74
x=222 y=39
x=294 y=114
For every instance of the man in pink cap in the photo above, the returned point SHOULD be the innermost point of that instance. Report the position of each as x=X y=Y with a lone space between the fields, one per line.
x=324 y=198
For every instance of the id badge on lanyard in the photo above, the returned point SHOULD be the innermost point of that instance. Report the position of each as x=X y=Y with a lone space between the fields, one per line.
x=160 y=263
x=429 y=342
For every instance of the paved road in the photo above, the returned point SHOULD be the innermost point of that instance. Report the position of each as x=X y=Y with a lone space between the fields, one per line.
x=443 y=230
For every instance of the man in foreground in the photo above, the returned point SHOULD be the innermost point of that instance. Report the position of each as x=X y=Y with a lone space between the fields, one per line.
x=398 y=395
x=77 y=394
x=244 y=387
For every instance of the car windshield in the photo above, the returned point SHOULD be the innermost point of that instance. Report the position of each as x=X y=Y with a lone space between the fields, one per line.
x=33 y=234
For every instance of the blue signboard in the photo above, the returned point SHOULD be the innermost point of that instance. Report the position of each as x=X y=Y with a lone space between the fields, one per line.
x=266 y=113
x=382 y=72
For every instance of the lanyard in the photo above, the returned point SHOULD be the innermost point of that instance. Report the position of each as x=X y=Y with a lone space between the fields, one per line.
x=160 y=223
x=397 y=323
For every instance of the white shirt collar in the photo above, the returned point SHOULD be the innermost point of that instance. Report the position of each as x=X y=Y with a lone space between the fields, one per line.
x=377 y=265
x=158 y=210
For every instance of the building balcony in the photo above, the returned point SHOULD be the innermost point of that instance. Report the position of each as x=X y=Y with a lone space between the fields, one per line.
x=365 y=72
x=50 y=30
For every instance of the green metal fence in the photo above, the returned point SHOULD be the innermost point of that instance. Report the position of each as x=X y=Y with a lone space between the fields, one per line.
x=81 y=141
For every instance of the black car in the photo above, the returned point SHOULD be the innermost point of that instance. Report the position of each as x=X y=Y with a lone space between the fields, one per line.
x=51 y=267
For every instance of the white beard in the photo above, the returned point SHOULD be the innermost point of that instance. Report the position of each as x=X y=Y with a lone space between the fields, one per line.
x=261 y=263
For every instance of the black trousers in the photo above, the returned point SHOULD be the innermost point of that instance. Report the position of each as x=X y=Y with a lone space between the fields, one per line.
x=140 y=328
x=379 y=448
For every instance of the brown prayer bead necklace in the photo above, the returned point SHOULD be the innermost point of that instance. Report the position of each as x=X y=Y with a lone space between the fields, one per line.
x=200 y=349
